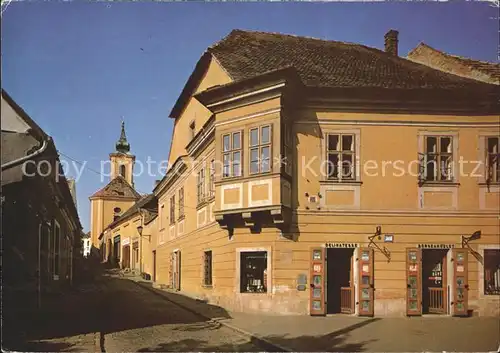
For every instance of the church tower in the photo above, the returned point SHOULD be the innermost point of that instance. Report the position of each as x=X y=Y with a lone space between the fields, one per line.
x=118 y=195
x=122 y=161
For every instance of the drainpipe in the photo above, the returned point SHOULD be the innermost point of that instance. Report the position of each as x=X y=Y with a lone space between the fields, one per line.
x=140 y=243
x=21 y=160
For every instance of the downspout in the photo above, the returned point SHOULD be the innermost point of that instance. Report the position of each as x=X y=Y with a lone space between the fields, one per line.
x=21 y=160
x=140 y=244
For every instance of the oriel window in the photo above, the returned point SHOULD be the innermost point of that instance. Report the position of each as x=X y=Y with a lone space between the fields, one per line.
x=231 y=154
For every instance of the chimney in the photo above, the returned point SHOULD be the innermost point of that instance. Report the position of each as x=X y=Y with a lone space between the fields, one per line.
x=391 y=42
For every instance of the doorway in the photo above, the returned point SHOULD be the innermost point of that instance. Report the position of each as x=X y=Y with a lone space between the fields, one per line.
x=434 y=281
x=340 y=281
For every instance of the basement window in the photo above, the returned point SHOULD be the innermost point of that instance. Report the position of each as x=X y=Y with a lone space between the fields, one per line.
x=253 y=272
x=492 y=271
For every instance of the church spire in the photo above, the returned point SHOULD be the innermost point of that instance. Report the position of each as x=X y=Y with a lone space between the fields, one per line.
x=122 y=145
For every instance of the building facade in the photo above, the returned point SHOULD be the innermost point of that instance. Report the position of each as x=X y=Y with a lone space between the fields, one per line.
x=40 y=225
x=317 y=177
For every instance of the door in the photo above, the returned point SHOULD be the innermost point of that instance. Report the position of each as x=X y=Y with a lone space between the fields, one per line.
x=178 y=270
x=413 y=282
x=317 y=286
x=154 y=265
x=459 y=304
x=365 y=282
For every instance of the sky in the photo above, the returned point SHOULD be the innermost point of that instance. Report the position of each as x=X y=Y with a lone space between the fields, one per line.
x=78 y=68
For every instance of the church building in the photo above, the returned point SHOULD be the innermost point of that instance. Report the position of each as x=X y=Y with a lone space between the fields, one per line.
x=118 y=195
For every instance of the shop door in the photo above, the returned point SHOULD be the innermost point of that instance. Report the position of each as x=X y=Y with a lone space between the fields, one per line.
x=413 y=282
x=365 y=282
x=459 y=284
x=317 y=286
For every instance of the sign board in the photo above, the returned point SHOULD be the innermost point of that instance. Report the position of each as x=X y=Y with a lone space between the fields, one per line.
x=126 y=241
x=341 y=245
x=436 y=246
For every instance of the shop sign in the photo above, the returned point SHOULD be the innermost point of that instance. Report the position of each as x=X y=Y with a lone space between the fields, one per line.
x=341 y=245
x=125 y=241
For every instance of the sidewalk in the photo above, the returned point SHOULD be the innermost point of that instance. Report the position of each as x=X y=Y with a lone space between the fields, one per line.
x=351 y=334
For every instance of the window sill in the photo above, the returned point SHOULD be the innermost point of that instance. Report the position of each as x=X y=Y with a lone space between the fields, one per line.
x=341 y=182
x=181 y=218
x=494 y=184
x=207 y=286
x=438 y=184
x=253 y=293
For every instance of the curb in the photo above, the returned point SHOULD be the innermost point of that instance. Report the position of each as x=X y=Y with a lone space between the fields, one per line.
x=264 y=343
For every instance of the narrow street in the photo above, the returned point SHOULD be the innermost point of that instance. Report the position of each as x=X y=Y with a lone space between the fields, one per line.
x=117 y=315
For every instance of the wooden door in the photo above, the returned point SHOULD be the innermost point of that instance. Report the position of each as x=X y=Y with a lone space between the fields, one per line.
x=365 y=282
x=460 y=284
x=317 y=287
x=178 y=270
x=413 y=281
x=347 y=293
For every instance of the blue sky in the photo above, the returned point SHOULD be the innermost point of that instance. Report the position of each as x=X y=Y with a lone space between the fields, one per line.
x=78 y=67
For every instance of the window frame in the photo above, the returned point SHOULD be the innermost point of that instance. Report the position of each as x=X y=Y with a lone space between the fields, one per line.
x=230 y=153
x=259 y=146
x=488 y=157
x=211 y=179
x=208 y=268
x=200 y=186
x=181 y=203
x=340 y=152
x=172 y=209
x=56 y=251
x=423 y=158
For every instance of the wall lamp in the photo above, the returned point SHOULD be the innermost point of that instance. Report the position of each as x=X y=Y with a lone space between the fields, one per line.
x=140 y=229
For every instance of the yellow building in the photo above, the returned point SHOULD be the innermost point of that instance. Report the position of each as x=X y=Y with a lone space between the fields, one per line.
x=117 y=196
x=315 y=177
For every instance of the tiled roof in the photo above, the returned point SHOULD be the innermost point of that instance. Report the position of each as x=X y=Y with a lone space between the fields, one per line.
x=326 y=63
x=488 y=68
x=118 y=187
x=148 y=202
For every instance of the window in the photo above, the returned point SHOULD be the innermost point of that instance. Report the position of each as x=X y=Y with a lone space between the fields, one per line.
x=181 y=203
x=207 y=269
x=260 y=149
x=161 y=215
x=438 y=159
x=172 y=209
x=231 y=154
x=122 y=170
x=201 y=185
x=341 y=156
x=492 y=156
x=492 y=271
x=57 y=240
x=211 y=179
x=287 y=151
x=192 y=129
x=253 y=272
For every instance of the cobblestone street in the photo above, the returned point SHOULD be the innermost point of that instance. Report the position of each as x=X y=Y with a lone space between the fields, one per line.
x=117 y=314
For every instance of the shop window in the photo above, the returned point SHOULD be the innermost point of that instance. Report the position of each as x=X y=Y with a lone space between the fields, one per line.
x=207 y=271
x=492 y=271
x=253 y=272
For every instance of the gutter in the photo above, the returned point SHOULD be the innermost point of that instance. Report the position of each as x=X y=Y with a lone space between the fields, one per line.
x=21 y=160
